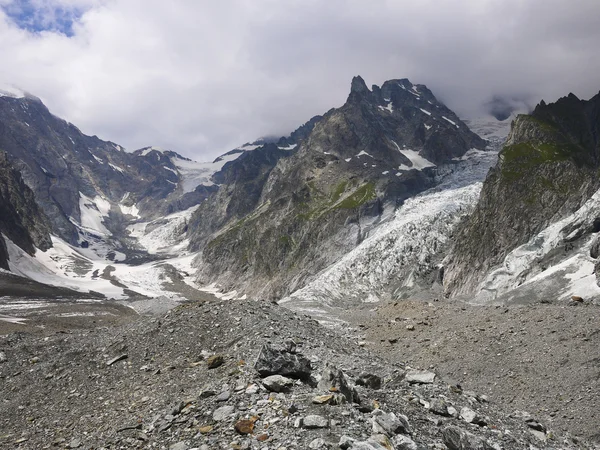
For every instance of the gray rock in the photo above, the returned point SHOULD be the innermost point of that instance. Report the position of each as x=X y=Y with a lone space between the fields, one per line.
x=334 y=380
x=272 y=361
x=3 y=357
x=346 y=442
x=420 y=377
x=458 y=439
x=439 y=406
x=75 y=443
x=224 y=396
x=223 y=413
x=369 y=380
x=470 y=416
x=389 y=424
x=402 y=442
x=179 y=446
x=318 y=444
x=277 y=383
x=314 y=421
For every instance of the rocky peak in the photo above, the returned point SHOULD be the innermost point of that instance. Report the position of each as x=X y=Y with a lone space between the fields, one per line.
x=358 y=89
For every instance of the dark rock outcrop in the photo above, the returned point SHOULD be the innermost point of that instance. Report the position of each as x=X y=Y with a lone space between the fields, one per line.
x=21 y=220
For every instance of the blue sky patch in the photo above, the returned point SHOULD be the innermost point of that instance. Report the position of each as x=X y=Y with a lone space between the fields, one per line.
x=28 y=15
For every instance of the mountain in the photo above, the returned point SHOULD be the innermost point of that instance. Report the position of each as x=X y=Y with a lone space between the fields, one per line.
x=280 y=218
x=536 y=207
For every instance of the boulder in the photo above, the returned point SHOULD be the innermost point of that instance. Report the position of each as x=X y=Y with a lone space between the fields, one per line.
x=277 y=383
x=389 y=424
x=458 y=439
x=420 y=377
x=272 y=361
x=369 y=380
x=334 y=380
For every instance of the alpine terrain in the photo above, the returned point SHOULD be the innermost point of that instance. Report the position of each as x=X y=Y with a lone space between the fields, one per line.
x=387 y=276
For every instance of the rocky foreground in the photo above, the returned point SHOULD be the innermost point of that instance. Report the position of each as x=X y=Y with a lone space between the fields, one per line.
x=239 y=375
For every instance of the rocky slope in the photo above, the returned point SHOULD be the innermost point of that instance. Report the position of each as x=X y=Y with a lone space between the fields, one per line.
x=239 y=375
x=304 y=211
x=546 y=172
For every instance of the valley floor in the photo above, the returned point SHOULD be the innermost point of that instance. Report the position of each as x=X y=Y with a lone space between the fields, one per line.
x=541 y=358
x=113 y=387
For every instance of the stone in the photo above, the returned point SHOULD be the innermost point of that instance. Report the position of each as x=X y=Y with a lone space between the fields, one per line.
x=224 y=396
x=116 y=359
x=179 y=446
x=277 y=383
x=322 y=399
x=206 y=429
x=470 y=416
x=402 y=442
x=75 y=443
x=223 y=413
x=315 y=421
x=458 y=439
x=245 y=426
x=576 y=298
x=535 y=425
x=334 y=380
x=369 y=380
x=272 y=361
x=252 y=389
x=215 y=361
x=389 y=424
x=438 y=406
x=420 y=377
x=3 y=357
x=318 y=444
x=346 y=442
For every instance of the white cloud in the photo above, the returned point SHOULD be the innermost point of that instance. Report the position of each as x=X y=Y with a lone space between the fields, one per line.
x=203 y=77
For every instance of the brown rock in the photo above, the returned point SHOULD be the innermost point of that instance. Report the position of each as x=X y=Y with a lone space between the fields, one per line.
x=245 y=426
x=215 y=361
x=262 y=437
x=322 y=399
x=205 y=430
x=576 y=298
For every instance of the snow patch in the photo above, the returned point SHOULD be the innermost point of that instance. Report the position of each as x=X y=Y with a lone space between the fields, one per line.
x=425 y=111
x=363 y=153
x=117 y=168
x=388 y=108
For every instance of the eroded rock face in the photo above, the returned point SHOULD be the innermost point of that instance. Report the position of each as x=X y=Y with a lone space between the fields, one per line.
x=21 y=220
x=546 y=170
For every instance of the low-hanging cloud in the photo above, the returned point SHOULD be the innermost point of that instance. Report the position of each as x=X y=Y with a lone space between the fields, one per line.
x=204 y=77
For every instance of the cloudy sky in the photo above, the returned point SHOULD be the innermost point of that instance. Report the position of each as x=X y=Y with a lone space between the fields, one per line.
x=201 y=77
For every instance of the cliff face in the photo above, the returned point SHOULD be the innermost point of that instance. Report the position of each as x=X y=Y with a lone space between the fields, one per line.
x=21 y=220
x=547 y=169
x=301 y=211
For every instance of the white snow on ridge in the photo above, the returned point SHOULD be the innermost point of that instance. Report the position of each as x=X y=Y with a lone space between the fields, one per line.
x=11 y=91
x=389 y=107
x=418 y=162
x=451 y=121
x=363 y=153
x=117 y=168
x=425 y=111
x=289 y=147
